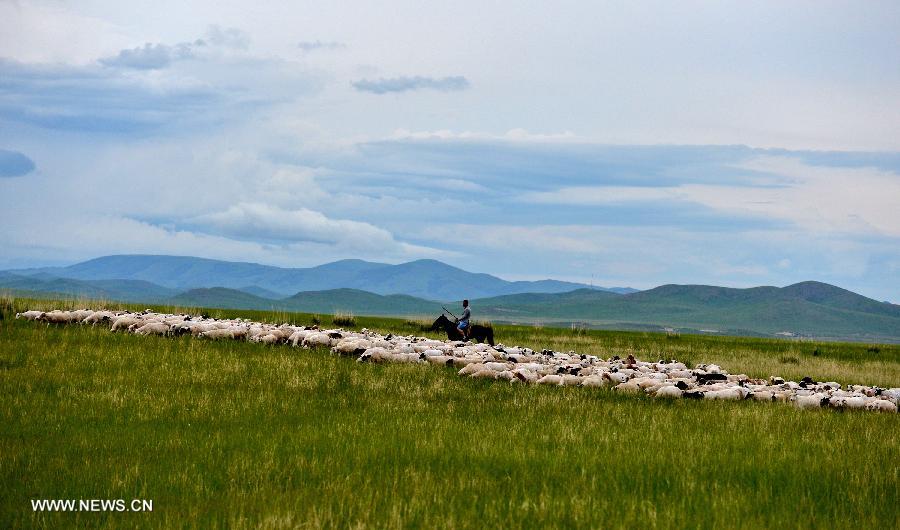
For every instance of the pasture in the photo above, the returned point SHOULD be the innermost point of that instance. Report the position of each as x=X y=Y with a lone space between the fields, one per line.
x=234 y=434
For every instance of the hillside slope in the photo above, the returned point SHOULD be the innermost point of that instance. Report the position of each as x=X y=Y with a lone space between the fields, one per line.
x=429 y=279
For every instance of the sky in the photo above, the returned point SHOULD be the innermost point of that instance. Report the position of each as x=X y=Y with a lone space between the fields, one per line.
x=615 y=143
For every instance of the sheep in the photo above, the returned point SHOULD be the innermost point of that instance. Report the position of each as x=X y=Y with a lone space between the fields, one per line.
x=217 y=334
x=497 y=367
x=56 y=317
x=852 y=402
x=616 y=377
x=525 y=375
x=123 y=322
x=317 y=339
x=594 y=381
x=663 y=379
x=439 y=359
x=881 y=405
x=810 y=402
x=551 y=379
x=668 y=391
x=627 y=386
x=734 y=393
x=484 y=373
x=153 y=328
x=268 y=338
x=351 y=346
x=763 y=395
x=375 y=354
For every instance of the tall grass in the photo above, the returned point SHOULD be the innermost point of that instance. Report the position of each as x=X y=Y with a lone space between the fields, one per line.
x=343 y=318
x=233 y=434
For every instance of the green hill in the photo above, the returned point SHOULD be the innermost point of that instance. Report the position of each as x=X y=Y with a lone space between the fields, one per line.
x=807 y=309
x=224 y=298
x=124 y=290
x=360 y=302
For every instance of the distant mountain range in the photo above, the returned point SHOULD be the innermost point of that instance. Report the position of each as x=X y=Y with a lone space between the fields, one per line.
x=428 y=279
x=810 y=309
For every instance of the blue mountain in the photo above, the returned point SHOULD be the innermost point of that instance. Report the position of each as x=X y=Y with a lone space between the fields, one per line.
x=428 y=279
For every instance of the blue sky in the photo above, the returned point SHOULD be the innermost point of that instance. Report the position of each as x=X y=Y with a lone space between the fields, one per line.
x=624 y=143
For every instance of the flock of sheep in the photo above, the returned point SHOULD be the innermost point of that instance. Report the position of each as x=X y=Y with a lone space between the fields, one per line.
x=663 y=379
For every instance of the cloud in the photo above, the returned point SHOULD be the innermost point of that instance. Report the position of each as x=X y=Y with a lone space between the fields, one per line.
x=316 y=45
x=813 y=198
x=14 y=164
x=228 y=37
x=514 y=135
x=151 y=56
x=405 y=84
x=93 y=99
x=268 y=223
x=152 y=88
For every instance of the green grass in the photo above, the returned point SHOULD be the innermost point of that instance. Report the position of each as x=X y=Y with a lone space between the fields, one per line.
x=234 y=434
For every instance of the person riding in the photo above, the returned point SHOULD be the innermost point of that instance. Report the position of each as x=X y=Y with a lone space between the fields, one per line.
x=463 y=321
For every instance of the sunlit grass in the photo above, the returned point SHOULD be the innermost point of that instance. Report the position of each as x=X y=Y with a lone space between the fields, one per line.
x=234 y=434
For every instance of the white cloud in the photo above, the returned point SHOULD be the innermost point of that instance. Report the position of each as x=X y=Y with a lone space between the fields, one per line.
x=264 y=222
x=817 y=199
x=599 y=195
x=30 y=32
x=512 y=135
x=406 y=84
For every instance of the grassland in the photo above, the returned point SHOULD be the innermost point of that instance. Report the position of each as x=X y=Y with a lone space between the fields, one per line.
x=241 y=435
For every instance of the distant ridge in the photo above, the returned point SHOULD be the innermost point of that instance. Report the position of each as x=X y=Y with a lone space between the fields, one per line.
x=428 y=279
x=809 y=308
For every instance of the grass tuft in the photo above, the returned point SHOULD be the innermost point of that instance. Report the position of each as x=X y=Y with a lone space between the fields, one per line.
x=342 y=318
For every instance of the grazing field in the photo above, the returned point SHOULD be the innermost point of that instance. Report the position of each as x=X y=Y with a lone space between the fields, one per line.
x=235 y=434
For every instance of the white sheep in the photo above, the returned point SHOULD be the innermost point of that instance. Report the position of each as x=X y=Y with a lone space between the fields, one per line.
x=153 y=328
x=882 y=405
x=550 y=379
x=30 y=315
x=668 y=391
x=812 y=401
